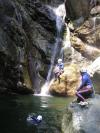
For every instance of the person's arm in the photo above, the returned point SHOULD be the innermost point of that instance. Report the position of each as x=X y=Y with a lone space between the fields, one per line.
x=84 y=79
x=62 y=66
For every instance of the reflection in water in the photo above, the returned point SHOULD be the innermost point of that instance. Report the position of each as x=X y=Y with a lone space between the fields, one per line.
x=44 y=102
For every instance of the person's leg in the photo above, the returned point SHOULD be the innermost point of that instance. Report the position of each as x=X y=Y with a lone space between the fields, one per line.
x=56 y=76
x=79 y=97
x=82 y=92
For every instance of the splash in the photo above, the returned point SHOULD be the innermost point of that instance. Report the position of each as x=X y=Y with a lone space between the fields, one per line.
x=44 y=89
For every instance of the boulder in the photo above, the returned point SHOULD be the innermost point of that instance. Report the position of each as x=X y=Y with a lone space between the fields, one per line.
x=95 y=10
x=68 y=82
x=79 y=119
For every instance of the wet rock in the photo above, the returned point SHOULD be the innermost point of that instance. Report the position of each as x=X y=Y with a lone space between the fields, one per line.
x=80 y=119
x=23 y=89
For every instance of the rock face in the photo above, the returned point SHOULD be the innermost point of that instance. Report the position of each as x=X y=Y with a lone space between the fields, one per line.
x=82 y=119
x=77 y=8
x=27 y=36
x=86 y=22
x=90 y=51
x=68 y=82
x=28 y=32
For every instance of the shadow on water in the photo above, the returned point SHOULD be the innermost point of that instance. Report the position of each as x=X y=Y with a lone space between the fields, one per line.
x=15 y=109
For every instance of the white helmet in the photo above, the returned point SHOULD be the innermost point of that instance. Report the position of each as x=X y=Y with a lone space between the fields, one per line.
x=59 y=60
x=39 y=117
x=83 y=69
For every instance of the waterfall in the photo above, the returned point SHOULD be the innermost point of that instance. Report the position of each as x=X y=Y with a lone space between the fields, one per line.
x=53 y=58
x=67 y=48
x=67 y=42
x=45 y=87
x=21 y=53
x=94 y=23
x=59 y=24
x=60 y=16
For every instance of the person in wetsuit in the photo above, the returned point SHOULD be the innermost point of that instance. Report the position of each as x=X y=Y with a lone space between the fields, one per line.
x=85 y=89
x=59 y=69
x=33 y=119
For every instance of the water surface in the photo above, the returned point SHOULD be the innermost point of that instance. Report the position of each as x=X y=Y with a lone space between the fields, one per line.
x=15 y=109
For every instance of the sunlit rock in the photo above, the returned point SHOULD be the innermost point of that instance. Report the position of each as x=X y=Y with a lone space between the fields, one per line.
x=68 y=82
x=95 y=10
x=78 y=44
x=86 y=40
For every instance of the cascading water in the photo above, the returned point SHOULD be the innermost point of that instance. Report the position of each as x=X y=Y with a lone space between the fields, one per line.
x=53 y=58
x=94 y=23
x=21 y=53
x=60 y=16
x=67 y=48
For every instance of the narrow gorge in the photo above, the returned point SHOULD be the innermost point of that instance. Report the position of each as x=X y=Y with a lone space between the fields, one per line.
x=34 y=34
x=29 y=32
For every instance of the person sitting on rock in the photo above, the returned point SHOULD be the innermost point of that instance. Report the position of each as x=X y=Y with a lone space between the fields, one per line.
x=59 y=69
x=85 y=89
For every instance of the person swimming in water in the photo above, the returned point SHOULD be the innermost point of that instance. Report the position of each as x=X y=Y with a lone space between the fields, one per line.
x=33 y=119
